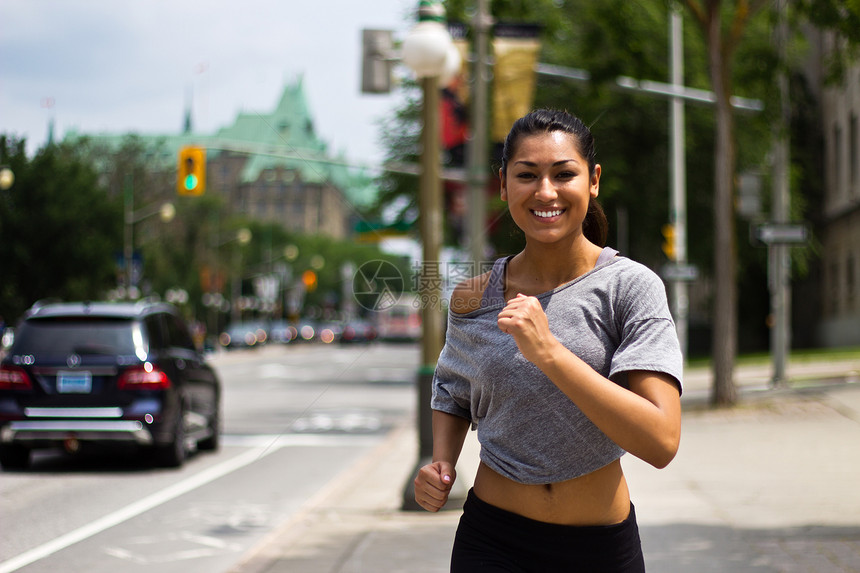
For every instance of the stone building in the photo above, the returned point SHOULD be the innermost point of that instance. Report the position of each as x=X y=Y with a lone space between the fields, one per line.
x=269 y=166
x=840 y=253
x=274 y=168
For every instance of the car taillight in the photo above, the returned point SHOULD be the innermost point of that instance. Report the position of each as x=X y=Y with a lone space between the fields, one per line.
x=14 y=378
x=144 y=377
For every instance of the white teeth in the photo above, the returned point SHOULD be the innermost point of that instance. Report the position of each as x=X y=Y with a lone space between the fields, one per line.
x=548 y=213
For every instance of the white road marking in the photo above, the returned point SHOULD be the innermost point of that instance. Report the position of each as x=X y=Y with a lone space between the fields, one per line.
x=186 y=546
x=345 y=421
x=297 y=440
x=274 y=370
x=138 y=507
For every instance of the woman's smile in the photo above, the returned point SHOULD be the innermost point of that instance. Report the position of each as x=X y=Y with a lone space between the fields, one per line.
x=547 y=214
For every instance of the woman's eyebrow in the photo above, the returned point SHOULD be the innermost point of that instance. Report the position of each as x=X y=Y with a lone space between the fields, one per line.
x=556 y=163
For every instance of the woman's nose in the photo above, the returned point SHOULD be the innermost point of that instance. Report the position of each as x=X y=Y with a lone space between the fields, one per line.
x=546 y=190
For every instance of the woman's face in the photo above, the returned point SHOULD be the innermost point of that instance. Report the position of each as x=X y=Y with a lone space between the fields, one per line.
x=548 y=187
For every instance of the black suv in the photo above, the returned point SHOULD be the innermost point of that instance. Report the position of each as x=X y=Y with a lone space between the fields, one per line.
x=106 y=372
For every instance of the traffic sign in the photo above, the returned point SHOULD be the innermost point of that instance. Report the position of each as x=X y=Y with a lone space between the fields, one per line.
x=679 y=272
x=773 y=233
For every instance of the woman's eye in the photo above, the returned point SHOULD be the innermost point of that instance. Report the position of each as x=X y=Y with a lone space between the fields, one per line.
x=525 y=175
x=566 y=175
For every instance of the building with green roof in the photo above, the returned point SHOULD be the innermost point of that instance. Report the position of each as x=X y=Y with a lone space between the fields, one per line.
x=269 y=166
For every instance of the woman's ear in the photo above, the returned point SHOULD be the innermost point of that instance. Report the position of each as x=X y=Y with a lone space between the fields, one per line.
x=595 y=181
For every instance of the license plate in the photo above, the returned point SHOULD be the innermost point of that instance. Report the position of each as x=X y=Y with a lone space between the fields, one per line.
x=74 y=382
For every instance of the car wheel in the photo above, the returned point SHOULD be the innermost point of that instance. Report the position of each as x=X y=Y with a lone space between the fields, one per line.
x=173 y=453
x=211 y=443
x=14 y=457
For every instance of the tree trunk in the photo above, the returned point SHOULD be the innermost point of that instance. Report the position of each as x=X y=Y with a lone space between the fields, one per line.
x=725 y=301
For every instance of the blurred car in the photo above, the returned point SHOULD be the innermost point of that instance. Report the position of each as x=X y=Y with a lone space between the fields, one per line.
x=125 y=373
x=329 y=332
x=400 y=322
x=244 y=335
x=358 y=331
x=282 y=332
x=307 y=331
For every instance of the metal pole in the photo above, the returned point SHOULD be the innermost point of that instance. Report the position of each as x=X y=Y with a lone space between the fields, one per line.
x=781 y=287
x=430 y=285
x=478 y=144
x=678 y=215
x=236 y=286
x=128 y=247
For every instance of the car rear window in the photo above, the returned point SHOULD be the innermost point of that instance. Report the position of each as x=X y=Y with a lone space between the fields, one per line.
x=76 y=335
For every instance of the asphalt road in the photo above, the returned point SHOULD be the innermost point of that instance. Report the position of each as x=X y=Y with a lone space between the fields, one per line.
x=294 y=418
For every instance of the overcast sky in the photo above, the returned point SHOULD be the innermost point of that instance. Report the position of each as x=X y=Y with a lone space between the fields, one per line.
x=129 y=65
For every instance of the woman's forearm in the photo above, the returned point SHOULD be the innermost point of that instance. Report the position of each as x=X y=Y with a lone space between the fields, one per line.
x=449 y=433
x=644 y=420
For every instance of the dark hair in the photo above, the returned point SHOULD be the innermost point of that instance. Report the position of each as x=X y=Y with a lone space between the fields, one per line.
x=595 y=227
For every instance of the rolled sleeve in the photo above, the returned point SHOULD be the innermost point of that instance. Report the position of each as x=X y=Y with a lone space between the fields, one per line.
x=449 y=396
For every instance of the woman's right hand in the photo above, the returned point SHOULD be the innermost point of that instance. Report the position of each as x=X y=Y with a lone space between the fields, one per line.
x=433 y=484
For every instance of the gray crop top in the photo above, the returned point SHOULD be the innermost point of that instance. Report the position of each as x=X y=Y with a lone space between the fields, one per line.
x=615 y=318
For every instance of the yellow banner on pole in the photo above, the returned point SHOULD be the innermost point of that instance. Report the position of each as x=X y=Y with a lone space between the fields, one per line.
x=516 y=48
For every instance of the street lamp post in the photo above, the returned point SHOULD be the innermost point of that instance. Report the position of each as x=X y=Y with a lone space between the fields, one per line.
x=243 y=237
x=428 y=50
x=166 y=211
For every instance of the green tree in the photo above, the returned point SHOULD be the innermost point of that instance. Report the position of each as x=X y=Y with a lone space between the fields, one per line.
x=841 y=17
x=333 y=260
x=60 y=232
x=607 y=39
x=723 y=25
x=175 y=254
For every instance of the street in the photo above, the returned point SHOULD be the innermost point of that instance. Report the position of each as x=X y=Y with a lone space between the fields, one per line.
x=295 y=417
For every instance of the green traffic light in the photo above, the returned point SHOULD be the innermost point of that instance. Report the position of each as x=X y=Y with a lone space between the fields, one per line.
x=190 y=182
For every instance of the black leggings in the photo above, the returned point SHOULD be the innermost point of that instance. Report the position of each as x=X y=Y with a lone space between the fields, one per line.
x=490 y=539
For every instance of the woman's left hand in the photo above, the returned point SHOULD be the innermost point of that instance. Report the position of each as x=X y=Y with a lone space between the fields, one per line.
x=525 y=320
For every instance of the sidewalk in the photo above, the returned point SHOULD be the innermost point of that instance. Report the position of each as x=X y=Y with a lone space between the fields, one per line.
x=768 y=486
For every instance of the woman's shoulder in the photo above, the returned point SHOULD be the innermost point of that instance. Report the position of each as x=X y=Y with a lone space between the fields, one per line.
x=634 y=285
x=468 y=294
x=624 y=269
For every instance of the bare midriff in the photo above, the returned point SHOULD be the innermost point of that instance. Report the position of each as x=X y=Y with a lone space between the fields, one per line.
x=598 y=498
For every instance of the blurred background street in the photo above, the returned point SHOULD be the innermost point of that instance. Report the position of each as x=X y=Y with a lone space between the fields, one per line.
x=293 y=420
x=305 y=184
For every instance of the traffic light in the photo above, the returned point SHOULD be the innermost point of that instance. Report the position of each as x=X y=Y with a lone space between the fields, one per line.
x=191 y=178
x=669 y=241
x=309 y=279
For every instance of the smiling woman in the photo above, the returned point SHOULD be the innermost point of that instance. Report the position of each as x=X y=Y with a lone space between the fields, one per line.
x=564 y=356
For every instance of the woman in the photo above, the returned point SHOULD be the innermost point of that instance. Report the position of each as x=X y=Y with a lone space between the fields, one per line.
x=564 y=357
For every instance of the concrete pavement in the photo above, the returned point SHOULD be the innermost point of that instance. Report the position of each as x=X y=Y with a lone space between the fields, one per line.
x=768 y=486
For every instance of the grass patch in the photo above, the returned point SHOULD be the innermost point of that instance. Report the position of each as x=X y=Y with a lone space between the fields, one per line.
x=799 y=355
